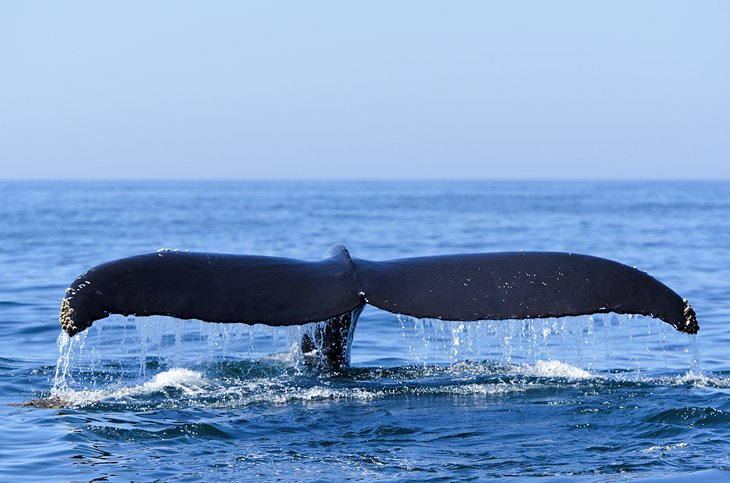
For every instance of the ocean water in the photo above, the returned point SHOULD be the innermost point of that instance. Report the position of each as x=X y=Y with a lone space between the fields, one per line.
x=602 y=398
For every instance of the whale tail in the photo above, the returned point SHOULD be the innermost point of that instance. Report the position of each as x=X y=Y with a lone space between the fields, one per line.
x=281 y=291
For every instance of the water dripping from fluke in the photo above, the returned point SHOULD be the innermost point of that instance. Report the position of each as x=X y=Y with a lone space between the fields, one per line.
x=194 y=363
x=512 y=309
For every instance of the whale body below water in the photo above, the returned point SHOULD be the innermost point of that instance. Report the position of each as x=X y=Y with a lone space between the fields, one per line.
x=278 y=291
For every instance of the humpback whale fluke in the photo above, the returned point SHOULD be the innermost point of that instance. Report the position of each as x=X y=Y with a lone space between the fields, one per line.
x=282 y=291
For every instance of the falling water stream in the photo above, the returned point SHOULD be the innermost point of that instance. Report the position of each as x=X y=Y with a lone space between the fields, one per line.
x=124 y=357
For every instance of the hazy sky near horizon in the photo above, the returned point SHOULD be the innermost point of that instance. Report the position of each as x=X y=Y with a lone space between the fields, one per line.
x=409 y=89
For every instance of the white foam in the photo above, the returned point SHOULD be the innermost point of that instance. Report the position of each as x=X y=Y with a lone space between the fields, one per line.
x=266 y=391
x=665 y=448
x=321 y=393
x=191 y=383
x=697 y=380
x=554 y=369
x=480 y=389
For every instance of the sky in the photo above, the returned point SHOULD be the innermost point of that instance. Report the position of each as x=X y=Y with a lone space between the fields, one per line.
x=375 y=90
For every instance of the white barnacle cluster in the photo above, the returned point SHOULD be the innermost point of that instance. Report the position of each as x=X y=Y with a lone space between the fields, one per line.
x=70 y=292
x=690 y=318
x=66 y=316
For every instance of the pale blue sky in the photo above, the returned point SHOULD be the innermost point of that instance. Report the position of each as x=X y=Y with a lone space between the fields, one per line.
x=402 y=89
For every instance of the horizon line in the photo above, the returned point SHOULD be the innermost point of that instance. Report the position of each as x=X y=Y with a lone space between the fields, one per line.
x=360 y=179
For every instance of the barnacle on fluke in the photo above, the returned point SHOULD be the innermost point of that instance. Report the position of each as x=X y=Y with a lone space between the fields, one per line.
x=691 y=326
x=282 y=291
x=66 y=317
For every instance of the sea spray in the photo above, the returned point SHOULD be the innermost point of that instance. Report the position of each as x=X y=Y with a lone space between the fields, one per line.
x=134 y=346
x=64 y=355
x=610 y=342
x=694 y=350
x=110 y=354
x=69 y=348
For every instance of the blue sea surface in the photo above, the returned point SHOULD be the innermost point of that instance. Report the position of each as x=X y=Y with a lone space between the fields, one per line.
x=592 y=398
